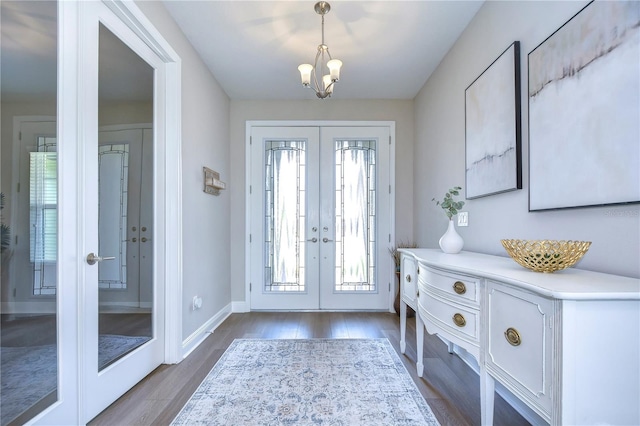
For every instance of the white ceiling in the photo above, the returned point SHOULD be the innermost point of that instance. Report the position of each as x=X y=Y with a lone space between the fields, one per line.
x=253 y=48
x=388 y=48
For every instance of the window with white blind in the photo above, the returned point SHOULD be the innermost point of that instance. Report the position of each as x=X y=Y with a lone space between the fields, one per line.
x=43 y=215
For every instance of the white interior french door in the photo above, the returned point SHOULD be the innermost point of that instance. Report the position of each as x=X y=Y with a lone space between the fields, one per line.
x=320 y=218
x=112 y=170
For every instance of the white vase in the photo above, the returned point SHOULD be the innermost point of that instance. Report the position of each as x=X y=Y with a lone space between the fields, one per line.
x=451 y=242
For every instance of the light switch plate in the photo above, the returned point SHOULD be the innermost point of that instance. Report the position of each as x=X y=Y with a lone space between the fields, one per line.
x=463 y=218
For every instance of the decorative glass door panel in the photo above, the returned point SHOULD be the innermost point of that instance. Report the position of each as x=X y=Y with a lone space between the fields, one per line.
x=285 y=216
x=355 y=215
x=321 y=218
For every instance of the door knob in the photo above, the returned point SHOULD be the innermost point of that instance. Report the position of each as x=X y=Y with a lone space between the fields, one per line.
x=313 y=240
x=92 y=259
x=145 y=239
x=326 y=240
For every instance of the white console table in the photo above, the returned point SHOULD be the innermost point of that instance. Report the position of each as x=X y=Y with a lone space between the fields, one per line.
x=567 y=343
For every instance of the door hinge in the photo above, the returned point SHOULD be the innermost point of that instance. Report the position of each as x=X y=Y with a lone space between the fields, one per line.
x=249 y=237
x=19 y=136
x=250 y=189
x=389 y=139
x=250 y=140
x=250 y=287
x=18 y=186
x=389 y=287
x=389 y=189
x=16 y=240
x=389 y=237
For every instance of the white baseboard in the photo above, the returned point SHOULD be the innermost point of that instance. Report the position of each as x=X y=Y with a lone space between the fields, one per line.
x=198 y=336
x=526 y=412
x=240 y=307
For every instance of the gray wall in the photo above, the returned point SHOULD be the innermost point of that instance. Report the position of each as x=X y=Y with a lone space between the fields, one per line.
x=400 y=111
x=205 y=142
x=440 y=150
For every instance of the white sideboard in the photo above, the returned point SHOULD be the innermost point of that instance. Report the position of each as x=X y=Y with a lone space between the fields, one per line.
x=567 y=344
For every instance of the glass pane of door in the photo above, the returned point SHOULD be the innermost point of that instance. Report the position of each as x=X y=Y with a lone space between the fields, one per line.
x=29 y=210
x=285 y=197
x=125 y=200
x=355 y=237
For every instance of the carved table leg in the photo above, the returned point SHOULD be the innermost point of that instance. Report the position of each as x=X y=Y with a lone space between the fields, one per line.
x=487 y=392
x=419 y=344
x=403 y=325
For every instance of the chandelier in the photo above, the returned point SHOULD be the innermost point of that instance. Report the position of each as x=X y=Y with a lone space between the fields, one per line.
x=323 y=62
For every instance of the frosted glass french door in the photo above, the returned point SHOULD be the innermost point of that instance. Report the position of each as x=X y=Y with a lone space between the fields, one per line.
x=320 y=218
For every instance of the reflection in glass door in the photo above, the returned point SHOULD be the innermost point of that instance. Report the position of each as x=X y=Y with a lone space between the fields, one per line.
x=29 y=339
x=125 y=219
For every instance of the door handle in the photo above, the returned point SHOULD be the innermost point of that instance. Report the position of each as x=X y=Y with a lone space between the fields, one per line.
x=326 y=240
x=133 y=240
x=313 y=240
x=92 y=259
x=145 y=239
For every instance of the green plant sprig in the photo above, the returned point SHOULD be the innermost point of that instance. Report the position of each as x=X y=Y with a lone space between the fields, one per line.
x=448 y=204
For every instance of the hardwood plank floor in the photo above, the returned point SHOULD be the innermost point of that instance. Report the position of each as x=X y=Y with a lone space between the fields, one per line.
x=450 y=387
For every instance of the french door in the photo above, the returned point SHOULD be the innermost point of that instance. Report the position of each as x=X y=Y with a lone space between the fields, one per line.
x=123 y=305
x=320 y=218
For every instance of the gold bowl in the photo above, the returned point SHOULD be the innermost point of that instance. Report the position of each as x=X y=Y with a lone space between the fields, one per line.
x=546 y=255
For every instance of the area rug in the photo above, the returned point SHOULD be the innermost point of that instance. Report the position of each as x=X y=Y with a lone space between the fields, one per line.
x=29 y=373
x=307 y=382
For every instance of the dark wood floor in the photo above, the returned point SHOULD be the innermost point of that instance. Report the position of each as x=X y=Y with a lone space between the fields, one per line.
x=450 y=387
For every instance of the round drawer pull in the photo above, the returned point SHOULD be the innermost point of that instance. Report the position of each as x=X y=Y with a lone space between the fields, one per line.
x=512 y=336
x=459 y=320
x=459 y=287
x=408 y=278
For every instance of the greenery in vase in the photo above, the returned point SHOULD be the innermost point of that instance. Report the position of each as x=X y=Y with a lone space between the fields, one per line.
x=448 y=204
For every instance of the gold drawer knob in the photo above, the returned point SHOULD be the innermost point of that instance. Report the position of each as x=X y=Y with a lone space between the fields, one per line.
x=408 y=278
x=459 y=287
x=512 y=336
x=459 y=320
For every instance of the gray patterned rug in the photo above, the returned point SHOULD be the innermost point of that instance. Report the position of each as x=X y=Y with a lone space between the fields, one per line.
x=29 y=373
x=307 y=382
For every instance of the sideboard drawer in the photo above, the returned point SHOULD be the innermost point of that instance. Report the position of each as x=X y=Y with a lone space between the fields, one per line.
x=519 y=333
x=457 y=285
x=458 y=320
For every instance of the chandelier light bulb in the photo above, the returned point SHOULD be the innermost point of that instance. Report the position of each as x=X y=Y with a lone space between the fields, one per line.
x=334 y=69
x=305 y=73
x=327 y=83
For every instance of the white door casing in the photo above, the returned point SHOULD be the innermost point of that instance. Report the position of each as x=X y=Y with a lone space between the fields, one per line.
x=320 y=228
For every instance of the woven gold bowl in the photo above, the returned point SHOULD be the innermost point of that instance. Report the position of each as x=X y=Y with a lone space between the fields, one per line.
x=546 y=255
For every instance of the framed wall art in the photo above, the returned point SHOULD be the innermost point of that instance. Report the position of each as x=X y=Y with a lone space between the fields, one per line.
x=584 y=104
x=493 y=128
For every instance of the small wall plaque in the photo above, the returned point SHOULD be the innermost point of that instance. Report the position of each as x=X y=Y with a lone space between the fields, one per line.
x=212 y=183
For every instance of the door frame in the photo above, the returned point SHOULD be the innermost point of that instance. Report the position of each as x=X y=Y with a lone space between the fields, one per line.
x=315 y=123
x=72 y=124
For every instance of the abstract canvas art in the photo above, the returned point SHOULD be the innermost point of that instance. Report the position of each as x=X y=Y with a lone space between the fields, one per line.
x=584 y=104
x=493 y=128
